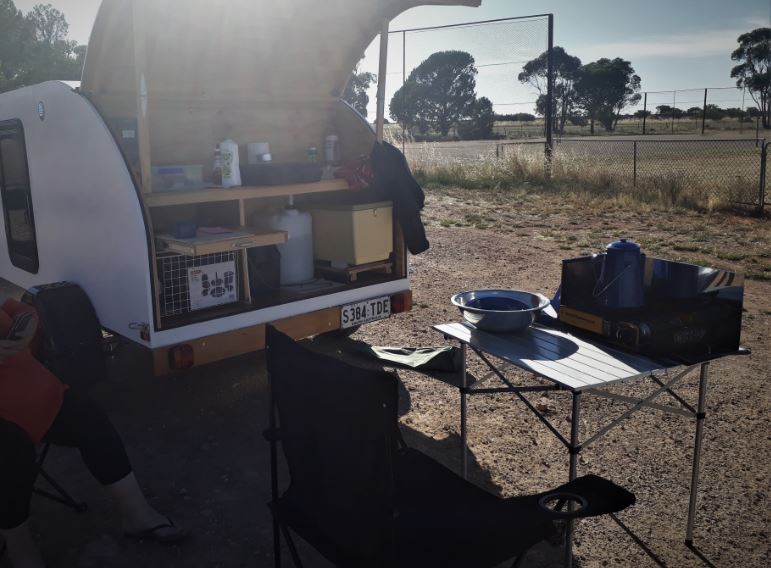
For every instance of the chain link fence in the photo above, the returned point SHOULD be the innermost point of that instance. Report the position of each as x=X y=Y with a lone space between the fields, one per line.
x=641 y=154
x=701 y=171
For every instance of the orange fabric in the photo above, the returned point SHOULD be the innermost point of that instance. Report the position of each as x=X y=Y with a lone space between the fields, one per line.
x=30 y=395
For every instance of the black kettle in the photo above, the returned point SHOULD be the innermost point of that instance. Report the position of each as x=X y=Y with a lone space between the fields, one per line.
x=619 y=275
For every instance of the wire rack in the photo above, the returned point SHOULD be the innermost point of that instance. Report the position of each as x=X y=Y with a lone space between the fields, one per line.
x=173 y=274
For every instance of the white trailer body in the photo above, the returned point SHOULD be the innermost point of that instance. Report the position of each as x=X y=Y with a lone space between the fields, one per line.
x=89 y=225
x=154 y=91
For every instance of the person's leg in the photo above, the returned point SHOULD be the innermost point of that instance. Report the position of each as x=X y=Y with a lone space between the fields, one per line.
x=84 y=425
x=17 y=478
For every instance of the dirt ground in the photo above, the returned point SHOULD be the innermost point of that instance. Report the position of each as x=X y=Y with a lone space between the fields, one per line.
x=196 y=445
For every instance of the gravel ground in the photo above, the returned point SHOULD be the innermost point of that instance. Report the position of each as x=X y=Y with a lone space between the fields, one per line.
x=196 y=445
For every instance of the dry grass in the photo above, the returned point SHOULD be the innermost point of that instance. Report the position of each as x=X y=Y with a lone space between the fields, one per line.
x=698 y=187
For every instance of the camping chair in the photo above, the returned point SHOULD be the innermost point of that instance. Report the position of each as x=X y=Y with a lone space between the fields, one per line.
x=362 y=498
x=71 y=348
x=59 y=493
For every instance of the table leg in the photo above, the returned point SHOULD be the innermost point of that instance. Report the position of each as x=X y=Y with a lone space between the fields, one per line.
x=575 y=426
x=701 y=415
x=463 y=412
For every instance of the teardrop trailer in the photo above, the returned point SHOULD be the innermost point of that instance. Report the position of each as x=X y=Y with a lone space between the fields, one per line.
x=99 y=181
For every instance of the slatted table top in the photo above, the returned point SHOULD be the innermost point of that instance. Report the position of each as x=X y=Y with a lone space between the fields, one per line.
x=567 y=360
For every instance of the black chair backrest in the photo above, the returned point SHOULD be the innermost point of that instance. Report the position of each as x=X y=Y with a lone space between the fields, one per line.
x=72 y=334
x=338 y=427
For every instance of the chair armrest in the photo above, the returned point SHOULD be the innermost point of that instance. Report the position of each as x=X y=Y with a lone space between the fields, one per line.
x=597 y=496
x=554 y=503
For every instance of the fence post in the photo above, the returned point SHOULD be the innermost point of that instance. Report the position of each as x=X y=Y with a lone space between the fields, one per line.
x=634 y=166
x=645 y=111
x=757 y=131
x=381 y=81
x=549 y=148
x=704 y=113
x=404 y=91
x=741 y=116
x=674 y=102
x=762 y=187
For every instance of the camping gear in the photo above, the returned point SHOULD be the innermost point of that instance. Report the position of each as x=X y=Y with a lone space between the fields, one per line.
x=207 y=287
x=361 y=497
x=393 y=181
x=353 y=234
x=264 y=269
x=231 y=172
x=443 y=359
x=170 y=178
x=72 y=338
x=297 y=251
x=72 y=350
x=332 y=149
x=500 y=311
x=561 y=362
x=216 y=173
x=619 y=276
x=351 y=274
x=358 y=173
x=691 y=313
x=256 y=152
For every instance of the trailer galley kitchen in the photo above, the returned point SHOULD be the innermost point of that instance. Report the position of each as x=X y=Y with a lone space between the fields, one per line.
x=122 y=193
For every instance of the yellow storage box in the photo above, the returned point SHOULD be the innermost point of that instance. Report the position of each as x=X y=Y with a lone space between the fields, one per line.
x=353 y=234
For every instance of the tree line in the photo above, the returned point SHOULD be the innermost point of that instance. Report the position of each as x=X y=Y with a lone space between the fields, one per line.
x=440 y=94
x=34 y=47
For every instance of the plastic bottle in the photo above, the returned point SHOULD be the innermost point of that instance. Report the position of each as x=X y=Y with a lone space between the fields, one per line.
x=297 y=252
x=216 y=174
x=231 y=170
x=332 y=149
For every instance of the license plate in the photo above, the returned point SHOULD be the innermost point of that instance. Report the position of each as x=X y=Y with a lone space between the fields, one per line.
x=365 y=312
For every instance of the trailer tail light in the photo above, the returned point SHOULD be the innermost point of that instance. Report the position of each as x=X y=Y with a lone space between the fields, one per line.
x=181 y=357
x=401 y=302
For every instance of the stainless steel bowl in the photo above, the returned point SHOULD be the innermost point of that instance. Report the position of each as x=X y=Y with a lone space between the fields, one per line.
x=500 y=311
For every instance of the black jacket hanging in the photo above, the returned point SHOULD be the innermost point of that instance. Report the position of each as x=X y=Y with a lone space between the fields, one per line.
x=394 y=181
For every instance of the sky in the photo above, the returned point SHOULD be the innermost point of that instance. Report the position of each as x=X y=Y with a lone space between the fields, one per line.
x=672 y=44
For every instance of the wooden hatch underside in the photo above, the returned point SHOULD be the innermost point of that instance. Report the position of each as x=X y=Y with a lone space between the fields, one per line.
x=192 y=72
x=287 y=50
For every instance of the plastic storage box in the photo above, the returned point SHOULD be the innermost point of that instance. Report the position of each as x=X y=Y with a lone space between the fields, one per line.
x=177 y=177
x=353 y=234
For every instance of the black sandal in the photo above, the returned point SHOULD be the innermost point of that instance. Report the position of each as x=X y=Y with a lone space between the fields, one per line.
x=152 y=533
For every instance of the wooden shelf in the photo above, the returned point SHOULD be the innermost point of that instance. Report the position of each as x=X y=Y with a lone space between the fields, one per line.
x=166 y=198
x=210 y=244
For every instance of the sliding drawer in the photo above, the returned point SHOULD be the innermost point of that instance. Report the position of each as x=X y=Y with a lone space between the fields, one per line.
x=223 y=242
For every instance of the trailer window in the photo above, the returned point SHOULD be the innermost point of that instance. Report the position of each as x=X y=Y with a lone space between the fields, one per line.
x=16 y=197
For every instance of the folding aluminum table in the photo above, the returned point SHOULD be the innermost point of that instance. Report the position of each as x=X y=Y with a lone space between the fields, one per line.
x=570 y=363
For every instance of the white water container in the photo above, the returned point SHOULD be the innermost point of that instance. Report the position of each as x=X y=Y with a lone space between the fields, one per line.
x=297 y=252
